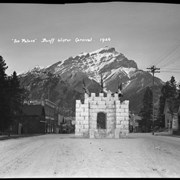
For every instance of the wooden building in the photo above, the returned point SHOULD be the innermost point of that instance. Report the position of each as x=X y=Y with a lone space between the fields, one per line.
x=37 y=117
x=32 y=120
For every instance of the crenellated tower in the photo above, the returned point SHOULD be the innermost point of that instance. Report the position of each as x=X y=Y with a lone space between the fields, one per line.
x=102 y=117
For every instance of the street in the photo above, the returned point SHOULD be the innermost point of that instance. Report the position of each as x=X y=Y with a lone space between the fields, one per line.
x=62 y=155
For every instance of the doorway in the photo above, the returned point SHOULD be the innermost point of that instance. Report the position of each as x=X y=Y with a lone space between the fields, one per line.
x=101 y=120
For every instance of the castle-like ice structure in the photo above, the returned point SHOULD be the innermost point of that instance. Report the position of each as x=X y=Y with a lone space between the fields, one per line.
x=102 y=117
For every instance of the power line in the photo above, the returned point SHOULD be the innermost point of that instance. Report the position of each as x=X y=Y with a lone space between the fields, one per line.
x=170 y=61
x=170 y=71
x=176 y=69
x=163 y=58
x=153 y=70
x=166 y=69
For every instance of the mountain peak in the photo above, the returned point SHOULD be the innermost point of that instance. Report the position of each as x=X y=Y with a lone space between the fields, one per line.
x=105 y=49
x=105 y=59
x=82 y=54
x=112 y=65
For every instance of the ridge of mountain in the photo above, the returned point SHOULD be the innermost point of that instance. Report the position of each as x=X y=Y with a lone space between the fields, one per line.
x=64 y=78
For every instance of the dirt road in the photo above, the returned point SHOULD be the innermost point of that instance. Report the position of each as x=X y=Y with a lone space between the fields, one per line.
x=141 y=155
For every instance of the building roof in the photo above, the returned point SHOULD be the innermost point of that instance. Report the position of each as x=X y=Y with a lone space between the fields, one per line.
x=33 y=110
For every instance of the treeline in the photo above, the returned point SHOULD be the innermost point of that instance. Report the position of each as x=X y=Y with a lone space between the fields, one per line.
x=147 y=111
x=170 y=95
x=11 y=97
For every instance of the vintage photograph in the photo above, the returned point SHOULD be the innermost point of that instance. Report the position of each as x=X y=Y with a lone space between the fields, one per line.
x=90 y=90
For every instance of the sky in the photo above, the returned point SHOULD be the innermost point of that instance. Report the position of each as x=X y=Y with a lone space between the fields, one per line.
x=148 y=33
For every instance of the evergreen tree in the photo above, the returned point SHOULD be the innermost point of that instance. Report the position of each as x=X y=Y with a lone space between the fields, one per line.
x=16 y=98
x=173 y=87
x=173 y=81
x=160 y=117
x=11 y=97
x=16 y=95
x=26 y=94
x=3 y=68
x=4 y=103
x=165 y=93
x=168 y=94
x=146 y=110
x=178 y=92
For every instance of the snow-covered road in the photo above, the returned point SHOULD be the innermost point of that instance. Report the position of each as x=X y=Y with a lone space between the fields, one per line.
x=57 y=155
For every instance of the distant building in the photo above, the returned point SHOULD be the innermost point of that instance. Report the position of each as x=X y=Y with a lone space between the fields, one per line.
x=68 y=125
x=176 y=122
x=172 y=119
x=32 y=120
x=37 y=117
x=50 y=115
x=167 y=116
x=134 y=123
x=60 y=120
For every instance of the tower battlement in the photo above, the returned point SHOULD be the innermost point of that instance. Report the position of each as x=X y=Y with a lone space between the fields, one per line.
x=102 y=116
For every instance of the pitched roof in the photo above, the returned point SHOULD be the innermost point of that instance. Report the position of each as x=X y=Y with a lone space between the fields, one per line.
x=31 y=110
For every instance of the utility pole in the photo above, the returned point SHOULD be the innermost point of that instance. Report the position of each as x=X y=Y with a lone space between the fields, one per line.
x=153 y=70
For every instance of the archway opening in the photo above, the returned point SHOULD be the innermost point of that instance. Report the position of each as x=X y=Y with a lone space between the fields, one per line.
x=101 y=120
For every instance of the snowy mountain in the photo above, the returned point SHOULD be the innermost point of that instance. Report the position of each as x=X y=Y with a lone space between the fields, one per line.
x=114 y=67
x=106 y=61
